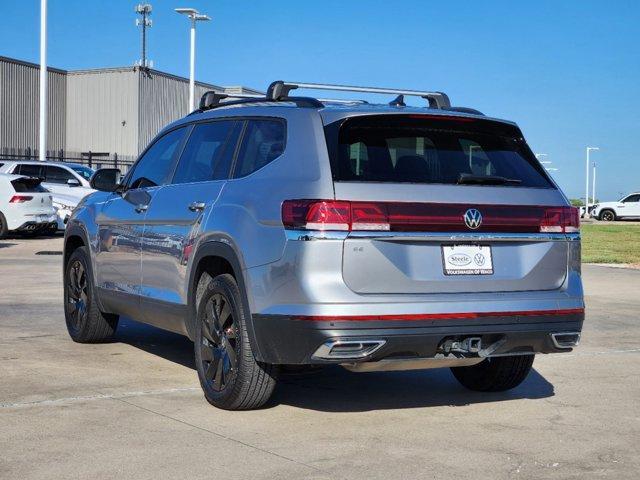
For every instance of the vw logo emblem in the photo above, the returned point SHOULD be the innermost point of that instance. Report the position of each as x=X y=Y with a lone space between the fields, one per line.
x=472 y=218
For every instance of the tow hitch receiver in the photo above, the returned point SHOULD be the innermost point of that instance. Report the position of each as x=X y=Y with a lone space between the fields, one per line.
x=466 y=345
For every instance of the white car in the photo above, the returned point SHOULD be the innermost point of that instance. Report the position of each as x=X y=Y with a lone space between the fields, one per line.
x=25 y=206
x=68 y=182
x=626 y=207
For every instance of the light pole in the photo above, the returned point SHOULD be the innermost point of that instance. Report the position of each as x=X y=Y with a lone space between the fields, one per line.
x=586 y=196
x=42 y=153
x=593 y=189
x=194 y=16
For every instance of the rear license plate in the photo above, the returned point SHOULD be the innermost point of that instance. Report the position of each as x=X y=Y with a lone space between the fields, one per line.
x=42 y=218
x=467 y=260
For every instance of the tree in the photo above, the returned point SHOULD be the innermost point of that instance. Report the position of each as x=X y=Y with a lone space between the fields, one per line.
x=576 y=202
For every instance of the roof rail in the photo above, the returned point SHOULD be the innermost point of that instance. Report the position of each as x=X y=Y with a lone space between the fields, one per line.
x=280 y=90
x=212 y=99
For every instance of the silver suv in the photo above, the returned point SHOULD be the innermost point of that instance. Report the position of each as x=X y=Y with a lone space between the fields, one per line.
x=286 y=230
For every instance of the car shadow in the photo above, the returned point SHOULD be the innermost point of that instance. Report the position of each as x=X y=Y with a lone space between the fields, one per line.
x=7 y=244
x=334 y=389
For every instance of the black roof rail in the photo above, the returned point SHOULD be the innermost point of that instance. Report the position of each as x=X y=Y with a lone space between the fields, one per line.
x=280 y=89
x=212 y=99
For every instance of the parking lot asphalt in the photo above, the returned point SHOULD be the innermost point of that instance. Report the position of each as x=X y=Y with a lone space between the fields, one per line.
x=133 y=408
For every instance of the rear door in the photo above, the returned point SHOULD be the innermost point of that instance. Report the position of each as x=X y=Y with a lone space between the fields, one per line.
x=631 y=206
x=176 y=215
x=452 y=204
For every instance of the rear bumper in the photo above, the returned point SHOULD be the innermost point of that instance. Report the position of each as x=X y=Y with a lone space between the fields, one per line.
x=295 y=340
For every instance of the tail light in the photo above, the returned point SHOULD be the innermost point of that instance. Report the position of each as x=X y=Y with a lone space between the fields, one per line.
x=425 y=217
x=20 y=199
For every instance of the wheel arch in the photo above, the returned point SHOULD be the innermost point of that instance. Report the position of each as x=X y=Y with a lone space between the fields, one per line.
x=216 y=258
x=608 y=209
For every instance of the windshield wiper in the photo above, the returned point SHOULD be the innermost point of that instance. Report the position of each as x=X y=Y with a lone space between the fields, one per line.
x=470 y=179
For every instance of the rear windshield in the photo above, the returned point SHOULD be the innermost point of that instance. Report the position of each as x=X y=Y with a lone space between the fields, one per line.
x=27 y=185
x=430 y=149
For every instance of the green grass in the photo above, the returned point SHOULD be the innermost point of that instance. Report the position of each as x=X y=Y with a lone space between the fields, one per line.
x=611 y=243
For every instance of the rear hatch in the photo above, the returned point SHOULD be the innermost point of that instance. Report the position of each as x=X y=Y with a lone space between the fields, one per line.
x=31 y=199
x=446 y=204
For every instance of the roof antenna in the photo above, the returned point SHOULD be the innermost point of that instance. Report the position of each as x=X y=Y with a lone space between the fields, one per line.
x=398 y=101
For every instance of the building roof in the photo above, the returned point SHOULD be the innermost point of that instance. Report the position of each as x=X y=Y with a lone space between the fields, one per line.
x=237 y=89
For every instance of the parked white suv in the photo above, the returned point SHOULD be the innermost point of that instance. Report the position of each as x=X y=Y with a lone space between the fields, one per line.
x=25 y=206
x=626 y=207
x=68 y=182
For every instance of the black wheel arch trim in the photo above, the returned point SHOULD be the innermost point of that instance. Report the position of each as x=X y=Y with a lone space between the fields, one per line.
x=76 y=230
x=215 y=248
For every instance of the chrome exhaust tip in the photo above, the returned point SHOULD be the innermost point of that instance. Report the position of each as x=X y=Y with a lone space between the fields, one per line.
x=347 y=349
x=566 y=339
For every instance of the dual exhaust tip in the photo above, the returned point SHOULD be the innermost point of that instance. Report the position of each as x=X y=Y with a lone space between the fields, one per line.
x=362 y=348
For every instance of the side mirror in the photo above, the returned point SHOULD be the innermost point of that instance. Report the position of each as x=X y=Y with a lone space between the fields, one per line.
x=106 y=179
x=73 y=182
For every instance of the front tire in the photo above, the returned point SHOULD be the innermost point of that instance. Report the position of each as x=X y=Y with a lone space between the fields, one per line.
x=495 y=374
x=229 y=374
x=607 y=216
x=85 y=322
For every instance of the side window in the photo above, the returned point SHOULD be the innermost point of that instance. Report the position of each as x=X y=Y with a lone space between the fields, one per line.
x=154 y=167
x=28 y=170
x=208 y=153
x=263 y=142
x=57 y=175
x=632 y=198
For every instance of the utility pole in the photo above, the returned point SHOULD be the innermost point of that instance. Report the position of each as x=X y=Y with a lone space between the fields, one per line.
x=145 y=11
x=42 y=153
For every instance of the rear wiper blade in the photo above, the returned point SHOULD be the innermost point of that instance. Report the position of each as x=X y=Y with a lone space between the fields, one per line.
x=467 y=178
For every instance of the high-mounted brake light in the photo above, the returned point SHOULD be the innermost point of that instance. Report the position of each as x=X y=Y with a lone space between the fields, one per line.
x=425 y=217
x=20 y=199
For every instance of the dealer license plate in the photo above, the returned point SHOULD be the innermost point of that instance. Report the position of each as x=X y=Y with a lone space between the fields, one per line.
x=467 y=260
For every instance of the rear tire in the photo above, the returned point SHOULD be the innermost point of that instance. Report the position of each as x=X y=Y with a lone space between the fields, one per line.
x=607 y=216
x=495 y=374
x=4 y=229
x=229 y=374
x=85 y=322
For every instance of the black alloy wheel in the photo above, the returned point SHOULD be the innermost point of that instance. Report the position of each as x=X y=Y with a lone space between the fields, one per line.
x=219 y=343
x=77 y=294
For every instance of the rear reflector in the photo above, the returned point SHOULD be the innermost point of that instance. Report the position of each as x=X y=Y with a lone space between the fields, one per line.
x=20 y=199
x=426 y=217
x=437 y=316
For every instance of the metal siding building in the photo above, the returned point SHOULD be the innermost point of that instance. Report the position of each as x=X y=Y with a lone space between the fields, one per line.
x=108 y=110
x=19 y=112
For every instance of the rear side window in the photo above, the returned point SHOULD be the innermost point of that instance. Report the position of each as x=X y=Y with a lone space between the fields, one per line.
x=263 y=142
x=27 y=185
x=29 y=170
x=422 y=149
x=209 y=152
x=57 y=175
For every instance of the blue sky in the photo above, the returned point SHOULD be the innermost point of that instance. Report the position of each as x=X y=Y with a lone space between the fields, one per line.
x=567 y=71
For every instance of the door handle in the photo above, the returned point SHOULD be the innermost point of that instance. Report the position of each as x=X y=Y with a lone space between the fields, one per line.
x=197 y=206
x=142 y=208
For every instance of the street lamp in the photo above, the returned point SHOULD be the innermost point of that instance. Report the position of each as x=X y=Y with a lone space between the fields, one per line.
x=42 y=154
x=194 y=16
x=586 y=196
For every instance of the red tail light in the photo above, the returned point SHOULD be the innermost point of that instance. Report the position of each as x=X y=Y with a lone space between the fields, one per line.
x=425 y=217
x=20 y=199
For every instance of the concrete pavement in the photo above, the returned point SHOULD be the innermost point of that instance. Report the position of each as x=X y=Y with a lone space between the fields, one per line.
x=133 y=408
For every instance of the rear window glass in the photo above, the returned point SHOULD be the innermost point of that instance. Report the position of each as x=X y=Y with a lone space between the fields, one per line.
x=26 y=185
x=419 y=149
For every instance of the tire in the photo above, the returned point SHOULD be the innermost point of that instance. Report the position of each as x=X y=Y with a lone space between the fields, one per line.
x=608 y=216
x=229 y=374
x=495 y=374
x=4 y=229
x=85 y=322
